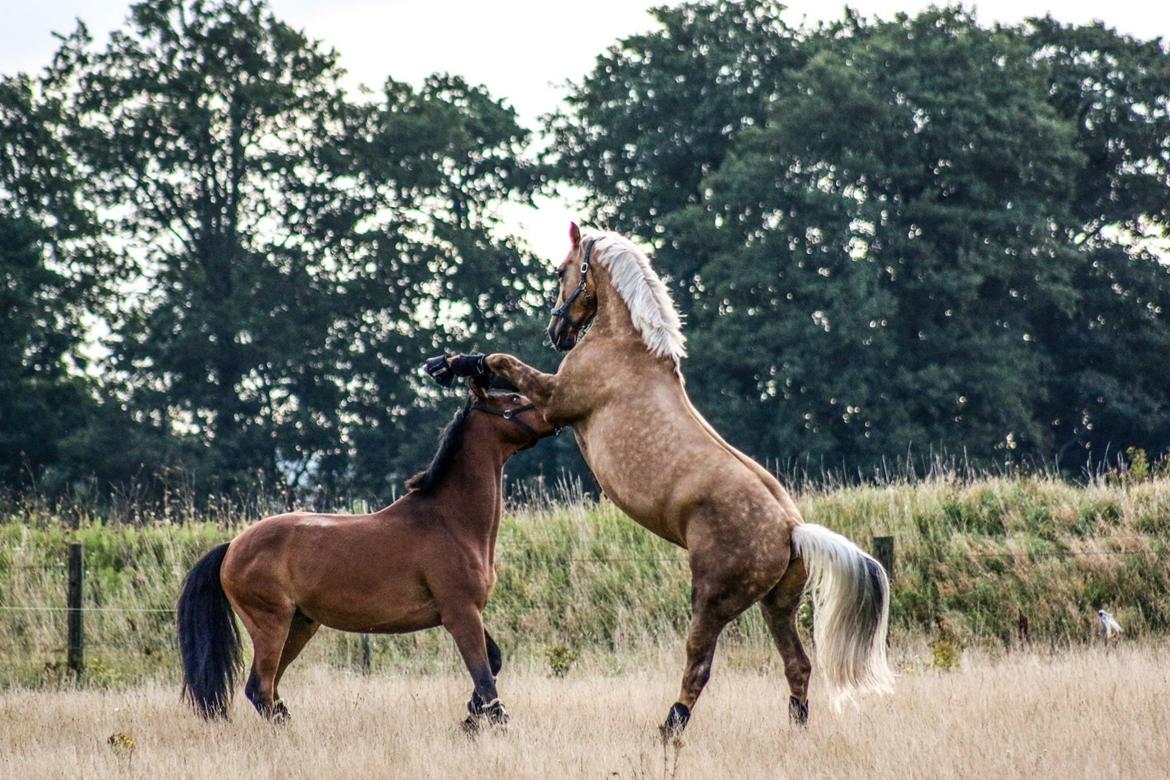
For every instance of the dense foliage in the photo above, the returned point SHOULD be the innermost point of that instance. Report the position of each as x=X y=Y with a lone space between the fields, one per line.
x=907 y=236
x=913 y=235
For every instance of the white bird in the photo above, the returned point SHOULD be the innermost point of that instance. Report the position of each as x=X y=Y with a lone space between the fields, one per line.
x=1109 y=626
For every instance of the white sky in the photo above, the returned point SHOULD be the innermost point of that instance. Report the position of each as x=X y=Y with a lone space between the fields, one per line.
x=522 y=50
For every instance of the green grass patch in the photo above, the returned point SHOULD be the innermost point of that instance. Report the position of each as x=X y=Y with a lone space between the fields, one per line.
x=971 y=558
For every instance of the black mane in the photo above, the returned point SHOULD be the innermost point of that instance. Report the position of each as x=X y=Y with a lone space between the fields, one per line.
x=450 y=442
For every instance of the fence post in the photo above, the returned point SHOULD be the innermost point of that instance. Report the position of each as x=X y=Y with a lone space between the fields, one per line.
x=365 y=654
x=883 y=550
x=75 y=660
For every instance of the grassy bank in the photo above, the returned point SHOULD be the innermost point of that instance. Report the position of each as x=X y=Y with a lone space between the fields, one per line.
x=581 y=579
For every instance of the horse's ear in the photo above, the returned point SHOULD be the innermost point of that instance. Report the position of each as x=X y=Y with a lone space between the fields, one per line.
x=574 y=234
x=477 y=390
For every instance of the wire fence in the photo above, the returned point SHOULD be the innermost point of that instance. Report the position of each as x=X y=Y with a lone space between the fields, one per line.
x=883 y=548
x=592 y=559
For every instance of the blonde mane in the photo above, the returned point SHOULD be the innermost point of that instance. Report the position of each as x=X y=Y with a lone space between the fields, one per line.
x=646 y=297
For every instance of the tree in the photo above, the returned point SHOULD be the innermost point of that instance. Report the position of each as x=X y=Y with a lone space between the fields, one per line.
x=50 y=269
x=659 y=112
x=906 y=235
x=1107 y=387
x=296 y=253
x=892 y=242
x=435 y=163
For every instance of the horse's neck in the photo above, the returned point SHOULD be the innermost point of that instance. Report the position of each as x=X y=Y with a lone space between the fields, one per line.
x=614 y=324
x=613 y=318
x=475 y=485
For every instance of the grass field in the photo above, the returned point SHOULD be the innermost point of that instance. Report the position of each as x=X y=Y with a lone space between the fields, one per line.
x=587 y=593
x=1087 y=712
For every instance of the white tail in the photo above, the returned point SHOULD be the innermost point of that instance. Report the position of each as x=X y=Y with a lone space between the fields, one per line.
x=851 y=611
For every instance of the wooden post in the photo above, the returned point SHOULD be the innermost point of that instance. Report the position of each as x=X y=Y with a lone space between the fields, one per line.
x=75 y=661
x=883 y=550
x=1022 y=626
x=365 y=654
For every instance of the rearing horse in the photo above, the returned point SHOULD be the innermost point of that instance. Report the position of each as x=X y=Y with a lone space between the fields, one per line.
x=620 y=388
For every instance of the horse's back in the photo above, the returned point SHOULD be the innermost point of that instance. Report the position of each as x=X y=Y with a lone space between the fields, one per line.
x=350 y=572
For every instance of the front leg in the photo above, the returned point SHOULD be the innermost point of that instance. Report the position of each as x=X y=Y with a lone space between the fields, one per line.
x=538 y=386
x=542 y=389
x=466 y=627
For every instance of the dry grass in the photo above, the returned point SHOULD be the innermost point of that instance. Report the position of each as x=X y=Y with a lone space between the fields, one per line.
x=1083 y=713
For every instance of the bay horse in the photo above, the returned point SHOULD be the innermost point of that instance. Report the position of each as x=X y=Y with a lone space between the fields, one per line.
x=424 y=561
x=620 y=388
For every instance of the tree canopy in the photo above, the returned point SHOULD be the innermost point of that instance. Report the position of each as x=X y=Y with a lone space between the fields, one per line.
x=919 y=234
x=911 y=236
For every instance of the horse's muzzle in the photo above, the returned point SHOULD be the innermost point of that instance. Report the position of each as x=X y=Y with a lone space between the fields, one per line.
x=560 y=335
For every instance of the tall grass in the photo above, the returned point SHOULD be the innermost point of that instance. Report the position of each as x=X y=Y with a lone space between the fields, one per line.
x=972 y=557
x=1088 y=713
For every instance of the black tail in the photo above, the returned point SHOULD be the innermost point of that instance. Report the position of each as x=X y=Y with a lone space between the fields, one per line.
x=209 y=640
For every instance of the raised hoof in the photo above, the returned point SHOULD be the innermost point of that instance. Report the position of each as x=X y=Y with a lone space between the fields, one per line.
x=797 y=711
x=676 y=722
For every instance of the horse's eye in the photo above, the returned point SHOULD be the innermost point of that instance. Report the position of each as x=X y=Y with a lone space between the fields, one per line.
x=515 y=399
x=561 y=273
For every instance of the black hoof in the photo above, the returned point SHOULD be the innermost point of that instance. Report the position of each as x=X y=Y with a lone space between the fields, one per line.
x=797 y=711
x=496 y=714
x=280 y=714
x=482 y=715
x=676 y=722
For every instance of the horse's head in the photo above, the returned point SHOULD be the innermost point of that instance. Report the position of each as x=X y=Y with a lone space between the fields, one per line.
x=577 y=299
x=515 y=419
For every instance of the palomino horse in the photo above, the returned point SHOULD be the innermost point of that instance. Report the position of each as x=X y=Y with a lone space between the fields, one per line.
x=424 y=561
x=620 y=388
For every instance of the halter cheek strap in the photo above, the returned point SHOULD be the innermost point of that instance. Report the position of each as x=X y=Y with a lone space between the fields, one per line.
x=562 y=311
x=512 y=416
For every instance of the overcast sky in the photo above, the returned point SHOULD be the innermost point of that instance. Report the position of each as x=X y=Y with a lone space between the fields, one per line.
x=522 y=50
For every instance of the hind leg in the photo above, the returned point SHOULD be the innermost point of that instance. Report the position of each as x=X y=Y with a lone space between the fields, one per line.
x=780 y=609
x=269 y=631
x=300 y=632
x=711 y=610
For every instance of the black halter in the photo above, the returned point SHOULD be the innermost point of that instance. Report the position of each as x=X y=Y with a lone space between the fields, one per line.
x=511 y=415
x=562 y=311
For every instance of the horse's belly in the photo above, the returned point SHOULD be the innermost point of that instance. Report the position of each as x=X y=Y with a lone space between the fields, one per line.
x=393 y=617
x=653 y=521
x=629 y=489
x=366 y=597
